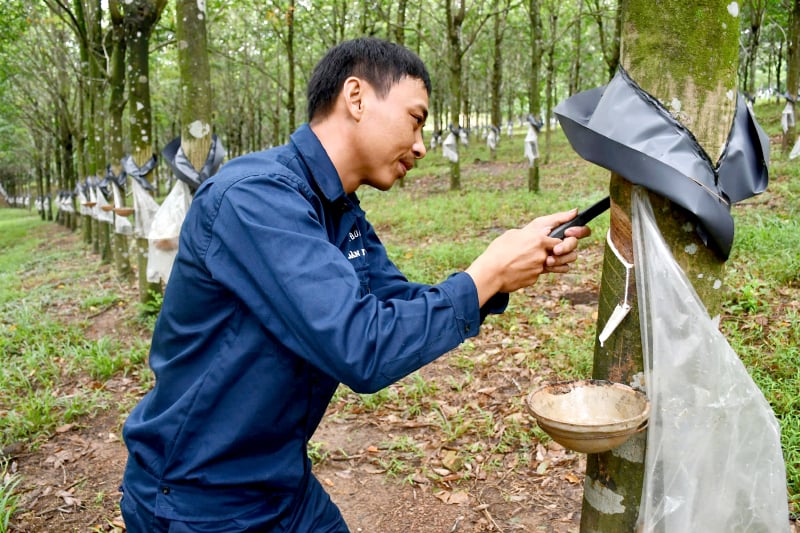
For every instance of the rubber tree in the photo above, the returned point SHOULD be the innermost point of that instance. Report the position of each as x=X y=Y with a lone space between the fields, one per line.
x=534 y=102
x=792 y=73
x=499 y=27
x=609 y=40
x=138 y=18
x=196 y=108
x=116 y=109
x=684 y=54
x=455 y=19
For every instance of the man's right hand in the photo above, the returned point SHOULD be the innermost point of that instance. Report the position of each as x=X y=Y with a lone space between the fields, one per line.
x=518 y=257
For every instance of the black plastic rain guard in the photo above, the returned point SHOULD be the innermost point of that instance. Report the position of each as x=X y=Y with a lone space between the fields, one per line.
x=121 y=180
x=183 y=168
x=623 y=128
x=139 y=173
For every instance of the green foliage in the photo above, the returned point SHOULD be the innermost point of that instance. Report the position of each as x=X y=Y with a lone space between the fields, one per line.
x=9 y=499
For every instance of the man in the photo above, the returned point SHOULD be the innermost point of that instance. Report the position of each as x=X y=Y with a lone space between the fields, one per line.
x=281 y=290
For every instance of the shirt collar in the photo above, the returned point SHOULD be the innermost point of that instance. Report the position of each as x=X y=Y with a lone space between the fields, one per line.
x=320 y=167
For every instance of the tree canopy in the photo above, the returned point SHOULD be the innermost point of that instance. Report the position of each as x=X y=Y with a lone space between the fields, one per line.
x=261 y=54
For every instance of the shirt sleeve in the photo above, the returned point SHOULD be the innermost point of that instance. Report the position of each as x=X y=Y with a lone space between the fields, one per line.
x=387 y=282
x=269 y=248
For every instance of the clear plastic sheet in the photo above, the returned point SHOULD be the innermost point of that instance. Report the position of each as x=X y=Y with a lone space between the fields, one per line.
x=164 y=231
x=714 y=461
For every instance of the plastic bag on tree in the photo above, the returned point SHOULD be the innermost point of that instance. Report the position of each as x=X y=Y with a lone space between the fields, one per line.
x=531 y=145
x=450 y=148
x=145 y=208
x=714 y=461
x=122 y=225
x=795 y=150
x=164 y=232
x=103 y=215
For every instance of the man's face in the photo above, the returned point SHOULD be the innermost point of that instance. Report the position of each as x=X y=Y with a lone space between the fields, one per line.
x=390 y=132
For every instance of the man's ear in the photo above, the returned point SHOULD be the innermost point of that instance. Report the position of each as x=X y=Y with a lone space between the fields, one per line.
x=353 y=94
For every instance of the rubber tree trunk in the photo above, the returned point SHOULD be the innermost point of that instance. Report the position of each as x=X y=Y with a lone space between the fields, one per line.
x=139 y=18
x=196 y=129
x=455 y=18
x=792 y=73
x=685 y=54
x=116 y=107
x=534 y=102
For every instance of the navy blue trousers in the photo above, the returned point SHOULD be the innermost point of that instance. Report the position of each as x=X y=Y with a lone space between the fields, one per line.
x=315 y=514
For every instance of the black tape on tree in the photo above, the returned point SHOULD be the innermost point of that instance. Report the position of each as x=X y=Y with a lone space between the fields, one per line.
x=139 y=173
x=623 y=128
x=183 y=168
x=121 y=180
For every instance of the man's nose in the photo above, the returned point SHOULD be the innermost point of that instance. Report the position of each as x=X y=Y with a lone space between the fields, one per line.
x=419 y=146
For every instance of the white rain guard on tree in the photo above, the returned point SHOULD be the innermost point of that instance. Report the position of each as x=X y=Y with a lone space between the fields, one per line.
x=122 y=225
x=101 y=214
x=82 y=199
x=165 y=230
x=463 y=137
x=531 y=145
x=787 y=117
x=450 y=148
x=491 y=139
x=795 y=149
x=714 y=462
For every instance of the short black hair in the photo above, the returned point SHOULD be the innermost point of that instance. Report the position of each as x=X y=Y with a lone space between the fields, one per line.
x=381 y=63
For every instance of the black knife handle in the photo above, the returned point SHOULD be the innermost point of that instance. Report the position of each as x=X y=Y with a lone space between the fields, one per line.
x=582 y=218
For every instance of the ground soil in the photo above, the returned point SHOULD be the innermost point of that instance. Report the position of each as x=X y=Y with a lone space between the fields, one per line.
x=444 y=483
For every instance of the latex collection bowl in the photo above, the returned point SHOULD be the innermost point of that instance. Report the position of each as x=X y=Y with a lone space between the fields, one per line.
x=589 y=416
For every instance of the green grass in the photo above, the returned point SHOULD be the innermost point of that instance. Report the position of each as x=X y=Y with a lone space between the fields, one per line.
x=52 y=374
x=9 y=499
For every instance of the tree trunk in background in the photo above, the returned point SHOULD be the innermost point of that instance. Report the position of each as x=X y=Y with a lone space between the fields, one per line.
x=698 y=71
x=139 y=17
x=549 y=93
x=609 y=46
x=291 y=104
x=756 y=9
x=116 y=107
x=399 y=33
x=575 y=71
x=196 y=108
x=498 y=32
x=400 y=22
x=454 y=54
x=534 y=102
x=792 y=74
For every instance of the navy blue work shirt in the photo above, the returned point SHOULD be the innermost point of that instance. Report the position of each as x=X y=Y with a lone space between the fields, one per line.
x=280 y=291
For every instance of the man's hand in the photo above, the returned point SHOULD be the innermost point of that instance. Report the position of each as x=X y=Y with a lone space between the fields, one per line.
x=516 y=258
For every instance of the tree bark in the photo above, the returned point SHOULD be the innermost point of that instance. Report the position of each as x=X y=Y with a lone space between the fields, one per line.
x=139 y=17
x=692 y=73
x=455 y=18
x=116 y=108
x=534 y=102
x=792 y=74
x=196 y=108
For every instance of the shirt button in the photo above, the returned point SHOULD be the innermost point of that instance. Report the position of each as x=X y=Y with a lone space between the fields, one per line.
x=164 y=490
